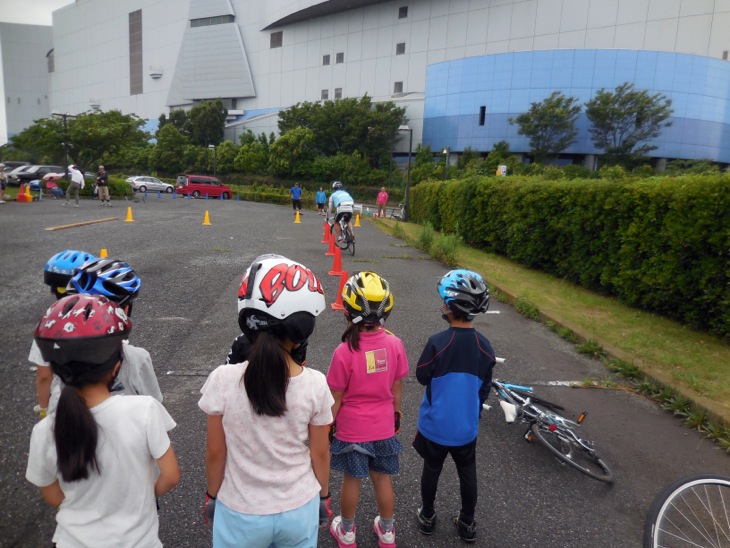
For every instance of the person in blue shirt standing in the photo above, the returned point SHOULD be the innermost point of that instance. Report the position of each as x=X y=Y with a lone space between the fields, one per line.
x=296 y=198
x=321 y=199
x=456 y=369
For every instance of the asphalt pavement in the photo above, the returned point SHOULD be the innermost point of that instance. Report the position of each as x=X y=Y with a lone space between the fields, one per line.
x=186 y=317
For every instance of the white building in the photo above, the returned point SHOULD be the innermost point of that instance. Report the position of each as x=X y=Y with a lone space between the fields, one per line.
x=461 y=67
x=24 y=65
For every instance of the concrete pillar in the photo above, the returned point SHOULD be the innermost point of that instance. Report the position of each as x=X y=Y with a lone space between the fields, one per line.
x=661 y=165
x=590 y=162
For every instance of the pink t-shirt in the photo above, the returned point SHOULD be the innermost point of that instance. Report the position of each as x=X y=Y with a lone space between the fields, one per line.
x=382 y=197
x=268 y=465
x=366 y=377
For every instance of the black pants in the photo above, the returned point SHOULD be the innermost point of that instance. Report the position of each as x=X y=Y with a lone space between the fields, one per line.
x=296 y=204
x=434 y=455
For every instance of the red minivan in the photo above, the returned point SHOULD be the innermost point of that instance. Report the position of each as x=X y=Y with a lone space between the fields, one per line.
x=200 y=186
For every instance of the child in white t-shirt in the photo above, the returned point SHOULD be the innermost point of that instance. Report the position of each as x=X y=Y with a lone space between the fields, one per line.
x=267 y=455
x=95 y=457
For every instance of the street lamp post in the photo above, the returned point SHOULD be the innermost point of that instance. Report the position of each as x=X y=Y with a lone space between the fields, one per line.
x=447 y=151
x=65 y=116
x=215 y=160
x=406 y=200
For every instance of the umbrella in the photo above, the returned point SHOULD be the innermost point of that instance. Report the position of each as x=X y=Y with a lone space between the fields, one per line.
x=53 y=176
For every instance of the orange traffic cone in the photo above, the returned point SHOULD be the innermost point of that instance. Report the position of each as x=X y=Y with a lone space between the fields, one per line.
x=206 y=221
x=103 y=253
x=297 y=221
x=129 y=216
x=21 y=196
x=357 y=220
x=331 y=248
x=336 y=263
x=337 y=305
x=325 y=233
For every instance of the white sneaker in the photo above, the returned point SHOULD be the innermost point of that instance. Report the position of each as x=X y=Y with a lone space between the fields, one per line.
x=385 y=539
x=77 y=205
x=2 y=201
x=343 y=539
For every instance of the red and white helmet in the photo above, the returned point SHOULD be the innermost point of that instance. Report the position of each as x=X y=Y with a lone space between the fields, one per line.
x=278 y=292
x=81 y=333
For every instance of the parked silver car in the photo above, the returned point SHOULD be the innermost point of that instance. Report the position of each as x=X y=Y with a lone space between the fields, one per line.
x=143 y=183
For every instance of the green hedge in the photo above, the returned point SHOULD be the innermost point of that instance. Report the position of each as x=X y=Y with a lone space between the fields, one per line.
x=661 y=244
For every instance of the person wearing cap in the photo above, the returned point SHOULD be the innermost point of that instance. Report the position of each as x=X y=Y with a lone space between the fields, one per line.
x=102 y=182
x=3 y=182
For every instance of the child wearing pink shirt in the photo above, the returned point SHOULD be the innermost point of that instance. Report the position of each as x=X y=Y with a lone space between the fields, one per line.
x=365 y=378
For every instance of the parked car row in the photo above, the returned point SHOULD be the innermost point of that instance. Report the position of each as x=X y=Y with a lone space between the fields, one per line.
x=143 y=183
x=27 y=173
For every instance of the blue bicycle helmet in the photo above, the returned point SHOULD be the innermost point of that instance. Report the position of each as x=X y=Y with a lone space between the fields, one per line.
x=464 y=293
x=112 y=278
x=62 y=266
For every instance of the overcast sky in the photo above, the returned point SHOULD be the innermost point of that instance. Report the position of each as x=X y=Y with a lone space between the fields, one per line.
x=30 y=12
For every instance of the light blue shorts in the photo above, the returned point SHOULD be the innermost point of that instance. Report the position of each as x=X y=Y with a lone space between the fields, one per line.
x=296 y=528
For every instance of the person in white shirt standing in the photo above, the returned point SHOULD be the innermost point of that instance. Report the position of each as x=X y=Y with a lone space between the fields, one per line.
x=76 y=184
x=96 y=457
x=266 y=485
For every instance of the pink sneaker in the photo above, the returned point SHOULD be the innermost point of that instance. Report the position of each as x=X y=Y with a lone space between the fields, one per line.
x=343 y=539
x=385 y=540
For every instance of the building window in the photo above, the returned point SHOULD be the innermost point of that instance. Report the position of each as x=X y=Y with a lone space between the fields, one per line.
x=400 y=49
x=724 y=54
x=482 y=115
x=135 y=53
x=338 y=93
x=340 y=58
x=208 y=21
x=325 y=59
x=51 y=60
x=402 y=12
x=325 y=94
x=277 y=39
x=398 y=87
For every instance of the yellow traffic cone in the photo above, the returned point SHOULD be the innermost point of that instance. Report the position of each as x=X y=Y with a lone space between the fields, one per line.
x=206 y=221
x=28 y=195
x=297 y=221
x=129 y=216
x=103 y=253
x=357 y=220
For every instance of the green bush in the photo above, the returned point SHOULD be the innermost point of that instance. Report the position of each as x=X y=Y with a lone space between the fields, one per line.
x=660 y=244
x=444 y=248
x=425 y=237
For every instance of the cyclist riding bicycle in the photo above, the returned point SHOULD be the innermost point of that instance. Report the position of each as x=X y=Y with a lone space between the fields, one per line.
x=341 y=202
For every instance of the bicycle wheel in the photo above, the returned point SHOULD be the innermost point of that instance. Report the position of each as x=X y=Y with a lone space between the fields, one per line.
x=692 y=511
x=572 y=453
x=350 y=239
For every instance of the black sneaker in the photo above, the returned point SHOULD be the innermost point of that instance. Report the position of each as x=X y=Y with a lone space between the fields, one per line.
x=426 y=525
x=467 y=532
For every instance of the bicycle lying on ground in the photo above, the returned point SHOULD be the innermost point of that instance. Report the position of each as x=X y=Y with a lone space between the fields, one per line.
x=692 y=511
x=558 y=434
x=347 y=243
x=397 y=214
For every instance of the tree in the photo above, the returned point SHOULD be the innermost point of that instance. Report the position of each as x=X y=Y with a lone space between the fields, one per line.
x=550 y=124
x=346 y=126
x=169 y=154
x=293 y=153
x=178 y=118
x=624 y=120
x=207 y=122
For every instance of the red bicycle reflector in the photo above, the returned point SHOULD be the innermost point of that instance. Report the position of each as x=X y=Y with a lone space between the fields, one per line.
x=582 y=417
x=552 y=428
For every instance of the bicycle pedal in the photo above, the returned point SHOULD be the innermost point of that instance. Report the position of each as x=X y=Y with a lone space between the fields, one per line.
x=529 y=436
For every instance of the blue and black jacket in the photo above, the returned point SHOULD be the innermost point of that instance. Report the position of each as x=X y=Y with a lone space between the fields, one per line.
x=456 y=369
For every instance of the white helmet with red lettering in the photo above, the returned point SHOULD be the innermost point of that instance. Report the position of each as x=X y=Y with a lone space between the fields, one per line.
x=280 y=295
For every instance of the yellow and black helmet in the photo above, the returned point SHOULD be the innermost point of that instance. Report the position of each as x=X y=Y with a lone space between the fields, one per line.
x=367 y=299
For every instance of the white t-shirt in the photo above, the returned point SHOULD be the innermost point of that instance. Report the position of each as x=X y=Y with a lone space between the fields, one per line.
x=117 y=506
x=136 y=376
x=268 y=465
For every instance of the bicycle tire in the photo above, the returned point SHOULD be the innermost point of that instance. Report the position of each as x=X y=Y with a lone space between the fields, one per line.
x=540 y=401
x=573 y=454
x=691 y=511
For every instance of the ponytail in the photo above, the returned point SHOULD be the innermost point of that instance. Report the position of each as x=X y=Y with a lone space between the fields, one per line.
x=76 y=433
x=352 y=336
x=267 y=376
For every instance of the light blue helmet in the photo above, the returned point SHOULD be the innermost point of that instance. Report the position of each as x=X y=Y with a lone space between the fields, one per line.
x=62 y=266
x=464 y=292
x=112 y=278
